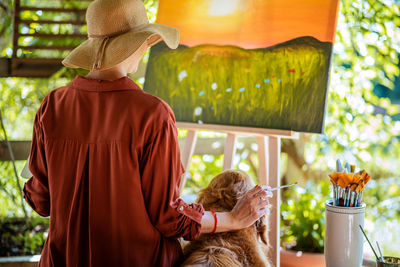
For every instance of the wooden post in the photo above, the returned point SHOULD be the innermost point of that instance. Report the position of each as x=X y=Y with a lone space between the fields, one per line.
x=187 y=153
x=262 y=143
x=274 y=149
x=229 y=151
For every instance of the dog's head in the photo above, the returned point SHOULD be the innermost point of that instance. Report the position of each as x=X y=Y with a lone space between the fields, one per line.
x=225 y=190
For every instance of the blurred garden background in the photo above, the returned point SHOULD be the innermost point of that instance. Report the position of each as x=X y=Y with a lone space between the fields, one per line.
x=362 y=127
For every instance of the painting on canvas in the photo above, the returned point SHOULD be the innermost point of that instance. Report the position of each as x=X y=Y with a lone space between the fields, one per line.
x=251 y=63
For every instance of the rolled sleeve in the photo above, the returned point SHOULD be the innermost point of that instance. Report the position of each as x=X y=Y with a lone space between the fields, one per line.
x=192 y=215
x=161 y=171
x=36 y=195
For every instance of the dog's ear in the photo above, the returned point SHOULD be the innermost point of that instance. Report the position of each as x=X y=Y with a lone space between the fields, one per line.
x=262 y=230
x=240 y=188
x=222 y=197
x=224 y=190
x=218 y=199
x=208 y=198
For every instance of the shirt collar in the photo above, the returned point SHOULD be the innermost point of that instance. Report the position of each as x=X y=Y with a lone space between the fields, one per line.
x=87 y=84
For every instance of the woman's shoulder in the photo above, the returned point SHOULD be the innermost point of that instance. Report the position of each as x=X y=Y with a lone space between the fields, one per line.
x=50 y=98
x=159 y=106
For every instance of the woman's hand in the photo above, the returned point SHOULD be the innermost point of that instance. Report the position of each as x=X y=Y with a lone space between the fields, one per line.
x=250 y=207
x=247 y=210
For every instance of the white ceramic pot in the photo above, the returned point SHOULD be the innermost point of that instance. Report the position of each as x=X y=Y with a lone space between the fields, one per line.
x=343 y=237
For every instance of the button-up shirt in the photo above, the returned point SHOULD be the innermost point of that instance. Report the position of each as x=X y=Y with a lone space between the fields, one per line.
x=106 y=169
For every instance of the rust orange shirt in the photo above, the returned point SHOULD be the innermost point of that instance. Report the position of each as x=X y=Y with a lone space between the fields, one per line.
x=106 y=169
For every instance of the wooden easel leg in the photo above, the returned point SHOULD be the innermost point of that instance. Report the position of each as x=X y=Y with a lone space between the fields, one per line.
x=187 y=153
x=274 y=148
x=262 y=143
x=268 y=174
x=229 y=151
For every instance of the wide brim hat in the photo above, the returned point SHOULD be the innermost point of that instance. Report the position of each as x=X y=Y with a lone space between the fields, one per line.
x=116 y=29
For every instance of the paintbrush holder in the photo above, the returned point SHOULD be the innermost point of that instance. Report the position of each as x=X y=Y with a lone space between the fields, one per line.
x=343 y=237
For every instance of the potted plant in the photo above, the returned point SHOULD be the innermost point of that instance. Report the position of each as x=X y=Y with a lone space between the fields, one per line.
x=303 y=225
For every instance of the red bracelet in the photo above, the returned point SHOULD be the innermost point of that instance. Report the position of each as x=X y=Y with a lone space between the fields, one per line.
x=215 y=222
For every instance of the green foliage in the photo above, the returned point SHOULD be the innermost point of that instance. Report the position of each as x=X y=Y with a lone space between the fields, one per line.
x=10 y=198
x=382 y=214
x=6 y=20
x=383 y=199
x=359 y=125
x=303 y=217
x=17 y=238
x=206 y=168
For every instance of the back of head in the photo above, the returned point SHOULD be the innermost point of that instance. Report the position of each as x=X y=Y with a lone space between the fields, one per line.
x=224 y=190
x=213 y=256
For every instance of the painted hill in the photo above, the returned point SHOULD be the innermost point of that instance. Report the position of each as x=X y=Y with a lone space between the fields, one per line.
x=278 y=87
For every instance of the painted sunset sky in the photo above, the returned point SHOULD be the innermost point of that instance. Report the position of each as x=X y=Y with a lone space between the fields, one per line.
x=249 y=23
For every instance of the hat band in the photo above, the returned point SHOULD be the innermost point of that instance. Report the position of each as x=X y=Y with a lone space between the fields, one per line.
x=100 y=53
x=136 y=28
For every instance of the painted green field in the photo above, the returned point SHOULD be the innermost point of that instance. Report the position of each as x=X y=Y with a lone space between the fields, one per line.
x=279 y=87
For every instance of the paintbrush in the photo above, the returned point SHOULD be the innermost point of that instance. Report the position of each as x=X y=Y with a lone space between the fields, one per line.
x=373 y=250
x=380 y=252
x=279 y=187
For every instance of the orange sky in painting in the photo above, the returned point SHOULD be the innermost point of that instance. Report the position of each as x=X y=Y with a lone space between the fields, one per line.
x=249 y=23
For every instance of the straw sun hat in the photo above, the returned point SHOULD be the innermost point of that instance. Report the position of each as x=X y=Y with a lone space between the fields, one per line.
x=116 y=29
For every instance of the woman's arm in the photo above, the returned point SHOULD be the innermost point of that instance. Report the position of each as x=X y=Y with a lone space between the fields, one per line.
x=36 y=189
x=247 y=210
x=161 y=170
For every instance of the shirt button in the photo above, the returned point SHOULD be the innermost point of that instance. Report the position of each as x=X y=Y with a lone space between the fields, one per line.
x=181 y=208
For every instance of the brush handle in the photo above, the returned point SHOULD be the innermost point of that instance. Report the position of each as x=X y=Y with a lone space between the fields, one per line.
x=279 y=187
x=380 y=251
x=373 y=250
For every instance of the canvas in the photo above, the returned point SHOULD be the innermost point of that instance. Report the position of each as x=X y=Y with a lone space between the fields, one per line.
x=250 y=63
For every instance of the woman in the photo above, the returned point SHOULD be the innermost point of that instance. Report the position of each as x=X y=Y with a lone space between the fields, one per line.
x=105 y=158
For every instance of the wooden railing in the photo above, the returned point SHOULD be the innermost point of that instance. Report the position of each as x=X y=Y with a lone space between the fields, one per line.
x=27 y=59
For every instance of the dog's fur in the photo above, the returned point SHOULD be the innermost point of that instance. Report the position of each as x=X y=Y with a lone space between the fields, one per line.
x=246 y=247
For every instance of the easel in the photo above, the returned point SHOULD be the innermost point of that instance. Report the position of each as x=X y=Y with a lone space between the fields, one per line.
x=269 y=148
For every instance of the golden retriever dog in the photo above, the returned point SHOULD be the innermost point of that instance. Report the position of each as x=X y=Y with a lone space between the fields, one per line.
x=246 y=247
